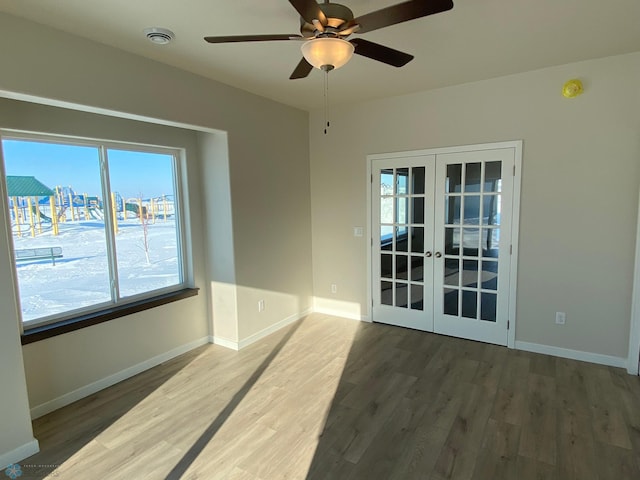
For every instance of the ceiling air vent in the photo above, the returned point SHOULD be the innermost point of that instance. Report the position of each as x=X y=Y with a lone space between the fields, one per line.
x=159 y=36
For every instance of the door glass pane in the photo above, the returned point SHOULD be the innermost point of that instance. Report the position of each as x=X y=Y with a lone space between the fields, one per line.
x=453 y=182
x=452 y=210
x=417 y=239
x=147 y=240
x=492 y=177
x=470 y=273
x=402 y=210
x=472 y=177
x=386 y=237
x=386 y=265
x=489 y=275
x=386 y=209
x=488 y=302
x=386 y=293
x=450 y=302
x=469 y=304
x=417 y=269
x=471 y=240
x=491 y=210
x=490 y=242
x=402 y=179
x=402 y=269
x=472 y=210
x=451 y=271
x=386 y=182
x=402 y=239
x=402 y=299
x=417 y=214
x=417 y=297
x=451 y=241
x=417 y=180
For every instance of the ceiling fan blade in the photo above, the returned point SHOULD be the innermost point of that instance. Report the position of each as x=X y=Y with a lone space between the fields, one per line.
x=302 y=70
x=399 y=13
x=252 y=38
x=381 y=53
x=309 y=10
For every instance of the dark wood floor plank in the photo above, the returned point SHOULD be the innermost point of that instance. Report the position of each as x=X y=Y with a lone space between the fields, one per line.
x=543 y=365
x=618 y=463
x=577 y=458
x=421 y=454
x=609 y=425
x=492 y=466
x=454 y=464
x=529 y=469
x=509 y=406
x=501 y=439
x=375 y=413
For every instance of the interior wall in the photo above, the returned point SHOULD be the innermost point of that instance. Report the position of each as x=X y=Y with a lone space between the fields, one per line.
x=60 y=365
x=579 y=190
x=270 y=201
x=267 y=142
x=16 y=434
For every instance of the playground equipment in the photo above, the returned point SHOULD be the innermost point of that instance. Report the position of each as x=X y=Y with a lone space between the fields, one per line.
x=25 y=195
x=37 y=208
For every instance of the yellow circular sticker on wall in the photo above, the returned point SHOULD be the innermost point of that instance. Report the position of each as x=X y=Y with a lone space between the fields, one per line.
x=572 y=88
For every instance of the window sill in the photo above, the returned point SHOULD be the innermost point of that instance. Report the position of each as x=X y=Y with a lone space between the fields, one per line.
x=43 y=332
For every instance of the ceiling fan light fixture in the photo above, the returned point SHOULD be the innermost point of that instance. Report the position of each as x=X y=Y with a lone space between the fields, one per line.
x=328 y=52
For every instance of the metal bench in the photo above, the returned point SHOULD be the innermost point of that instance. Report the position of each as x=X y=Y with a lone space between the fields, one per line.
x=25 y=254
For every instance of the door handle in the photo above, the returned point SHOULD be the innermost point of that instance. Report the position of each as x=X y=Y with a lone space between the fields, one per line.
x=428 y=254
x=438 y=254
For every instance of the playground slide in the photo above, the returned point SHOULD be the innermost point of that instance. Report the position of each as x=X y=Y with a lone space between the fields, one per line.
x=133 y=207
x=96 y=213
x=44 y=217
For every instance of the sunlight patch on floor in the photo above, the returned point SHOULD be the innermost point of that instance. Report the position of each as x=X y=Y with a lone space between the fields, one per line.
x=283 y=411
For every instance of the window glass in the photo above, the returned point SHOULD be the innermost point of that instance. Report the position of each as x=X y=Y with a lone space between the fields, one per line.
x=147 y=236
x=79 y=246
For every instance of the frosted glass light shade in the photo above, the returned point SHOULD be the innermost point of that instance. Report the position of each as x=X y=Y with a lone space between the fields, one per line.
x=327 y=51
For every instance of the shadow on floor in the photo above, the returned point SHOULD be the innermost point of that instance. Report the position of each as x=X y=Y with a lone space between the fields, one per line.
x=60 y=439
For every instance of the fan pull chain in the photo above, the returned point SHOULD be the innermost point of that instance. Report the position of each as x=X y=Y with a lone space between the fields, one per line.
x=326 y=101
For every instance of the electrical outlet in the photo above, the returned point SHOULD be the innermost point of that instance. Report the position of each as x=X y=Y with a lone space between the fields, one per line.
x=334 y=288
x=260 y=305
x=561 y=318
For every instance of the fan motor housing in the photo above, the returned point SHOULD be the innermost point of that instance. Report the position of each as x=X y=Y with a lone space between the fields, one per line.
x=336 y=15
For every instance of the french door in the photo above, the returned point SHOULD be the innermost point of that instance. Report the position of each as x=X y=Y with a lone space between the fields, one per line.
x=442 y=228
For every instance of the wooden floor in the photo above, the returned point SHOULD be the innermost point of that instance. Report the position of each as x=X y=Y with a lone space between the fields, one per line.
x=336 y=399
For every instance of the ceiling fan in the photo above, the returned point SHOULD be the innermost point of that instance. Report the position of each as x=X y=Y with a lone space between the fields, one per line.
x=325 y=28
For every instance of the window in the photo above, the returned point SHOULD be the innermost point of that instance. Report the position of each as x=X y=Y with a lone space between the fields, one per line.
x=94 y=224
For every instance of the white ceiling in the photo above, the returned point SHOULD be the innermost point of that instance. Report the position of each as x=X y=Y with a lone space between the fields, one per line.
x=478 y=39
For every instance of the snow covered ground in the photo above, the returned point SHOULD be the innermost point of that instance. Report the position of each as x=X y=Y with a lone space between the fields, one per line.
x=81 y=277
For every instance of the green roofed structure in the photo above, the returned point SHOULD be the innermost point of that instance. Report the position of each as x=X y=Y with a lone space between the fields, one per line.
x=22 y=186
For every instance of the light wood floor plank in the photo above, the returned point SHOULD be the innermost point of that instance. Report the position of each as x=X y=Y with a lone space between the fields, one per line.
x=333 y=399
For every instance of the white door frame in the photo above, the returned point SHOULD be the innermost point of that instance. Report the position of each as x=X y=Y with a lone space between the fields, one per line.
x=634 y=328
x=515 y=225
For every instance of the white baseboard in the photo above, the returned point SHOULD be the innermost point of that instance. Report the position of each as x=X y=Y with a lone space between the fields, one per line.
x=573 y=354
x=223 y=342
x=273 y=328
x=19 y=454
x=82 y=392
x=342 y=314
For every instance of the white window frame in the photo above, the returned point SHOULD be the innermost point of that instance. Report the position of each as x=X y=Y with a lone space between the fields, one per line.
x=103 y=146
